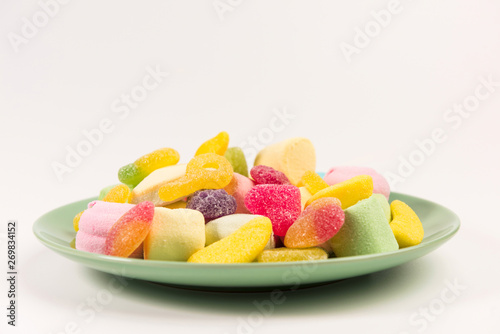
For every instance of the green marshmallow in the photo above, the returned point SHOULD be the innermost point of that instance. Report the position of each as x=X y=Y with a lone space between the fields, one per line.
x=385 y=205
x=365 y=231
x=237 y=159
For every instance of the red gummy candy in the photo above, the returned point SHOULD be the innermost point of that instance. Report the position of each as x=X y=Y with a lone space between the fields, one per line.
x=316 y=224
x=268 y=175
x=130 y=230
x=278 y=202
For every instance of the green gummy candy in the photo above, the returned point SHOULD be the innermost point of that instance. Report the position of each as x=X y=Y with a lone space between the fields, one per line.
x=237 y=159
x=365 y=231
x=385 y=205
x=130 y=175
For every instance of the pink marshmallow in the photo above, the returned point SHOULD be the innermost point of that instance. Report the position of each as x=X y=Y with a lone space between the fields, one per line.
x=95 y=224
x=342 y=173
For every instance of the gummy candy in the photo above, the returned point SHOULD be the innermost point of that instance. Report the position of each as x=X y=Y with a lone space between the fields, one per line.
x=76 y=221
x=206 y=171
x=130 y=230
x=118 y=194
x=406 y=225
x=175 y=235
x=132 y=174
x=237 y=159
x=343 y=173
x=267 y=175
x=217 y=145
x=243 y=245
x=365 y=231
x=278 y=202
x=304 y=196
x=291 y=254
x=348 y=192
x=316 y=224
x=212 y=203
x=313 y=182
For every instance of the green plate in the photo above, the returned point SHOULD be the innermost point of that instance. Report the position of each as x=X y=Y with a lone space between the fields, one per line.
x=55 y=230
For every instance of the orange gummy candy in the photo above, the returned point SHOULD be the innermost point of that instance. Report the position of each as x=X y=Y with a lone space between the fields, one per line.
x=217 y=145
x=130 y=230
x=206 y=171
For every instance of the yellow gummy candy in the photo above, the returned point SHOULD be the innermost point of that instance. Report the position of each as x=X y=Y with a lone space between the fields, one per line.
x=160 y=158
x=313 y=182
x=348 y=192
x=176 y=205
x=242 y=246
x=406 y=225
x=118 y=194
x=206 y=171
x=76 y=221
x=217 y=145
x=292 y=254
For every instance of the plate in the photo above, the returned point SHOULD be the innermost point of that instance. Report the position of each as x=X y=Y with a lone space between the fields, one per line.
x=55 y=230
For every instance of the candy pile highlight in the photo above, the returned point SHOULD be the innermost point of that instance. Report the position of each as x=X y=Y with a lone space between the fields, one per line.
x=212 y=209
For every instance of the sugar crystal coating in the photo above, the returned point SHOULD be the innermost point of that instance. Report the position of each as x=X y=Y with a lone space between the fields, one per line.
x=348 y=192
x=132 y=174
x=212 y=203
x=237 y=159
x=343 y=173
x=406 y=225
x=267 y=175
x=243 y=245
x=278 y=202
x=118 y=194
x=313 y=182
x=217 y=144
x=316 y=224
x=130 y=230
x=290 y=254
x=205 y=171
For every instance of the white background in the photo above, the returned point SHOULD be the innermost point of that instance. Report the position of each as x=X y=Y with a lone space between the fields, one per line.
x=230 y=75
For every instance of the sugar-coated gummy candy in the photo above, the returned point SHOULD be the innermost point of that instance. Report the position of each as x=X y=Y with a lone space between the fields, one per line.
x=406 y=225
x=206 y=171
x=175 y=235
x=348 y=192
x=304 y=196
x=267 y=175
x=222 y=227
x=238 y=188
x=212 y=203
x=313 y=182
x=292 y=156
x=237 y=159
x=316 y=224
x=278 y=202
x=177 y=205
x=118 y=194
x=104 y=191
x=217 y=145
x=365 y=231
x=343 y=173
x=242 y=246
x=95 y=223
x=132 y=174
x=130 y=230
x=291 y=255
x=76 y=221
x=148 y=189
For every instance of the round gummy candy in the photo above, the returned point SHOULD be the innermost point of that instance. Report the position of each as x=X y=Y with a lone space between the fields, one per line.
x=267 y=175
x=278 y=202
x=212 y=203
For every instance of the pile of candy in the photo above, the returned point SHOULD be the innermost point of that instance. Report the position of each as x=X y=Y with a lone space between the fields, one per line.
x=211 y=210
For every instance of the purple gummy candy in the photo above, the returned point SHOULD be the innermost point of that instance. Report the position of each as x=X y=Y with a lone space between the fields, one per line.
x=267 y=175
x=212 y=203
